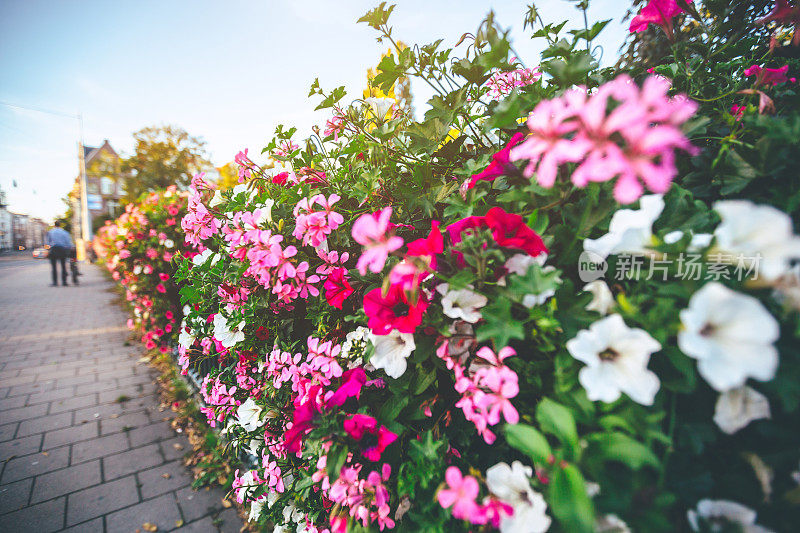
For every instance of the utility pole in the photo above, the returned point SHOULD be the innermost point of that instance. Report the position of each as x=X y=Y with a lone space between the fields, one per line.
x=86 y=217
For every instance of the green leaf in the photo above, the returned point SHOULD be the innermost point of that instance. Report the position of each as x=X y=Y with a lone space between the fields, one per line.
x=391 y=409
x=500 y=326
x=378 y=16
x=425 y=379
x=620 y=447
x=743 y=174
x=556 y=419
x=529 y=441
x=569 y=501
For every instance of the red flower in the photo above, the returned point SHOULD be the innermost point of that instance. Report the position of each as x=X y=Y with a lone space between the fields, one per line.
x=337 y=289
x=352 y=382
x=509 y=230
x=163 y=276
x=280 y=179
x=501 y=163
x=393 y=311
x=359 y=425
x=428 y=247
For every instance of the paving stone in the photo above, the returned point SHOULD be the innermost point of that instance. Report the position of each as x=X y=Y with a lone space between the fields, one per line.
x=69 y=435
x=162 y=512
x=14 y=496
x=108 y=409
x=49 y=396
x=70 y=404
x=12 y=403
x=20 y=447
x=131 y=392
x=44 y=423
x=42 y=518
x=101 y=499
x=171 y=452
x=102 y=446
x=164 y=478
x=125 y=463
x=151 y=433
x=129 y=420
x=200 y=526
x=7 y=431
x=228 y=521
x=198 y=503
x=92 y=526
x=23 y=413
x=66 y=480
x=35 y=464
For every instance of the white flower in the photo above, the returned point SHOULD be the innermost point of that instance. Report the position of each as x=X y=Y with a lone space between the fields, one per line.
x=511 y=484
x=760 y=233
x=699 y=241
x=226 y=335
x=738 y=407
x=630 y=231
x=391 y=352
x=730 y=335
x=169 y=243
x=204 y=256
x=292 y=514
x=602 y=299
x=380 y=106
x=137 y=269
x=255 y=509
x=248 y=415
x=216 y=199
x=265 y=211
x=720 y=515
x=519 y=264
x=461 y=304
x=248 y=485
x=185 y=340
x=611 y=523
x=616 y=358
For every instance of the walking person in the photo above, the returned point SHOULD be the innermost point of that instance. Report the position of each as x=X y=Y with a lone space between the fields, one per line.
x=60 y=245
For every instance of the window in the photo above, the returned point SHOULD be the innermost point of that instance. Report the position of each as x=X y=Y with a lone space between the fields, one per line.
x=106 y=186
x=92 y=187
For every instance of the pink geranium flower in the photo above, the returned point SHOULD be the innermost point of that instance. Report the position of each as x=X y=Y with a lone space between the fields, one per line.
x=460 y=494
x=371 y=230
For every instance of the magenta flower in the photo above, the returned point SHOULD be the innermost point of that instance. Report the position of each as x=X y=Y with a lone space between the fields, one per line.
x=371 y=230
x=460 y=494
x=359 y=425
x=659 y=12
x=768 y=76
x=500 y=165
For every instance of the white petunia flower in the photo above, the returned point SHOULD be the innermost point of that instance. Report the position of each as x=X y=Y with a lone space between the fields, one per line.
x=462 y=304
x=519 y=264
x=226 y=335
x=730 y=335
x=185 y=340
x=738 y=407
x=255 y=509
x=216 y=199
x=248 y=415
x=611 y=523
x=511 y=484
x=698 y=242
x=380 y=106
x=616 y=358
x=265 y=211
x=391 y=352
x=602 y=299
x=169 y=243
x=630 y=231
x=760 y=233
x=723 y=515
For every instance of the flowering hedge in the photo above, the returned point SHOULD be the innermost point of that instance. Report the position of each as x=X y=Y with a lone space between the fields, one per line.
x=137 y=248
x=563 y=299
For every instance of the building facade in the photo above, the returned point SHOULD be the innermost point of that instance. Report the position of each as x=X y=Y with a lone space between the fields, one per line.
x=104 y=187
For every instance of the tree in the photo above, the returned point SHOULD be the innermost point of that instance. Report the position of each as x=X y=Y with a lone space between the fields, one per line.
x=163 y=156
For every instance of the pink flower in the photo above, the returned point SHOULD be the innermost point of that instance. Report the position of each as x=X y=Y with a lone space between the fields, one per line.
x=508 y=229
x=352 y=383
x=334 y=126
x=371 y=231
x=659 y=12
x=768 y=76
x=634 y=141
x=393 y=311
x=502 y=83
x=160 y=288
x=500 y=165
x=337 y=288
x=359 y=425
x=460 y=494
x=738 y=111
x=163 y=276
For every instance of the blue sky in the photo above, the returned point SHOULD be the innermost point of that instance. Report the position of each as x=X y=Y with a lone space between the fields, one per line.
x=227 y=71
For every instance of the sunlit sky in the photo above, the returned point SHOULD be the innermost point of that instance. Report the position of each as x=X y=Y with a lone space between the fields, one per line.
x=227 y=71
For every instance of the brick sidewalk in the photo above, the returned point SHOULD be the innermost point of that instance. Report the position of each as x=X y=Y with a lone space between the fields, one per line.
x=73 y=455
